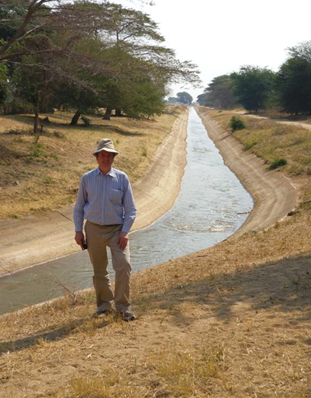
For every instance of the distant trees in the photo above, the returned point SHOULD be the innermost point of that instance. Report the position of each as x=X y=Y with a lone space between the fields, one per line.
x=250 y=87
x=256 y=88
x=184 y=98
x=253 y=86
x=173 y=100
x=219 y=93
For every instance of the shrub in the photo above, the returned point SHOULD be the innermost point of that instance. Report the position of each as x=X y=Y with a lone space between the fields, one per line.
x=277 y=163
x=236 y=123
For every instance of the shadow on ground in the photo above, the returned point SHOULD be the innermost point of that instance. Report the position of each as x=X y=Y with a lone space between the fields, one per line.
x=284 y=286
x=48 y=336
x=28 y=120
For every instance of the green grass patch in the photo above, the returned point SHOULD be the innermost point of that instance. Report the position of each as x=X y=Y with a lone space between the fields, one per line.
x=278 y=163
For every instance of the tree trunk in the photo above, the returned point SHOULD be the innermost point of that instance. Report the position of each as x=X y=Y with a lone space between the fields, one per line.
x=75 y=118
x=118 y=112
x=107 y=114
x=36 y=121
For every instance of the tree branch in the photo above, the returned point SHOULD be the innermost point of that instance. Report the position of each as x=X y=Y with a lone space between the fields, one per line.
x=34 y=6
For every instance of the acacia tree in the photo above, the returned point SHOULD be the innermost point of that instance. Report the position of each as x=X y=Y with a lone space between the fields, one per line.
x=219 y=93
x=253 y=86
x=302 y=50
x=136 y=90
x=19 y=19
x=103 y=54
x=48 y=52
x=184 y=98
x=140 y=60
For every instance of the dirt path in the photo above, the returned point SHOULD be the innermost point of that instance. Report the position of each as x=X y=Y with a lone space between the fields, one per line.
x=36 y=239
x=298 y=124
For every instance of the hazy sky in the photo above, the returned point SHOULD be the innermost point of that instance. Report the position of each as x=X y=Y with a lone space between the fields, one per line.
x=222 y=35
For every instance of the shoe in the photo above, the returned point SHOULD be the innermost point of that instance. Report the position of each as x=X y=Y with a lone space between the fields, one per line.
x=101 y=312
x=127 y=316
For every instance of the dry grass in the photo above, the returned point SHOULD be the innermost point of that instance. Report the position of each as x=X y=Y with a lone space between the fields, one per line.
x=224 y=322
x=168 y=373
x=46 y=175
x=271 y=141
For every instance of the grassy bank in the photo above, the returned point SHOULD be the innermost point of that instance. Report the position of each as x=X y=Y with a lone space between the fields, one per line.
x=229 y=321
x=45 y=175
x=273 y=141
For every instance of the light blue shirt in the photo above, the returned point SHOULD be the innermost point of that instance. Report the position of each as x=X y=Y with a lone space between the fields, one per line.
x=105 y=200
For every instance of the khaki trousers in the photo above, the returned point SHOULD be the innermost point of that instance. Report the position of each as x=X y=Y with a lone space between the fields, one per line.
x=98 y=237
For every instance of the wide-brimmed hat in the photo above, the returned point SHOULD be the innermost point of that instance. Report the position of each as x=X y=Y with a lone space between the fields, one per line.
x=105 y=144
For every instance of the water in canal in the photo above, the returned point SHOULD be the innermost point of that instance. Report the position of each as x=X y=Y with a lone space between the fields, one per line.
x=211 y=206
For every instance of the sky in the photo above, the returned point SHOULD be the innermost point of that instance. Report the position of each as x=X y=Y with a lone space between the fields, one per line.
x=220 y=36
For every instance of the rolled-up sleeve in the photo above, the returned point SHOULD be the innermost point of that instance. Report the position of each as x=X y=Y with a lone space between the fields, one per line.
x=78 y=211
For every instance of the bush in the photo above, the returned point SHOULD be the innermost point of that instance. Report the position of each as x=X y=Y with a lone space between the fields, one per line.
x=236 y=123
x=277 y=163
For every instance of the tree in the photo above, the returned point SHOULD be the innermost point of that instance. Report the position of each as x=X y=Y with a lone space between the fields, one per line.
x=253 y=86
x=294 y=85
x=99 y=54
x=51 y=52
x=18 y=21
x=294 y=80
x=3 y=84
x=33 y=81
x=127 y=42
x=302 y=50
x=135 y=49
x=201 y=99
x=184 y=98
x=220 y=93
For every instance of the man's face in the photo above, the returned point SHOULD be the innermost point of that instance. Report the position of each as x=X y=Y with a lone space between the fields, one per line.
x=105 y=160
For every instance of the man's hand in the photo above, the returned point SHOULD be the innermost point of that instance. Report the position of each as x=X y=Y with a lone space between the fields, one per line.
x=79 y=238
x=123 y=240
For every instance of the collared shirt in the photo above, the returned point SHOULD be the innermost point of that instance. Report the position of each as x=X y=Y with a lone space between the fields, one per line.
x=105 y=200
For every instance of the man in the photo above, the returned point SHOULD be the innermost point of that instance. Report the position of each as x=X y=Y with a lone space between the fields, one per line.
x=105 y=200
